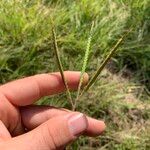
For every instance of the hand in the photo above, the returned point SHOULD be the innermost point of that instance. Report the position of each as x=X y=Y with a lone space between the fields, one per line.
x=29 y=127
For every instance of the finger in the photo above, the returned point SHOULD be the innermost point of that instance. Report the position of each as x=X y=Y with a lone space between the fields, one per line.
x=9 y=116
x=33 y=116
x=26 y=91
x=53 y=134
x=4 y=134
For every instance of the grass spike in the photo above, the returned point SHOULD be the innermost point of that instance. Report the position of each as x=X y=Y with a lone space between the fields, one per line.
x=97 y=73
x=60 y=65
x=87 y=52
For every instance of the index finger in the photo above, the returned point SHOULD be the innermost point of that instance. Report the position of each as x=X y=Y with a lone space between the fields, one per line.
x=28 y=90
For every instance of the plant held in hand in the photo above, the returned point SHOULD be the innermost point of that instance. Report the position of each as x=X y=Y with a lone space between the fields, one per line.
x=87 y=52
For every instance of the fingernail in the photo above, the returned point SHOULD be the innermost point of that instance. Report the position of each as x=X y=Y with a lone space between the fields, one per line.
x=85 y=79
x=77 y=124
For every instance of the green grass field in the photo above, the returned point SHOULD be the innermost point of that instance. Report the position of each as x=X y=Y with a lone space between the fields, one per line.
x=121 y=95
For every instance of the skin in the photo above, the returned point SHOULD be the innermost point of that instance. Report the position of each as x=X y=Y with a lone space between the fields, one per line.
x=24 y=126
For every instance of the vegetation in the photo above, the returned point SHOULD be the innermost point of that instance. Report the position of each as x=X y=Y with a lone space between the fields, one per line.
x=121 y=96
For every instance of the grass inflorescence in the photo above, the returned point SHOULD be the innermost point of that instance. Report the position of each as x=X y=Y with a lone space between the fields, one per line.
x=85 y=61
x=104 y=63
x=60 y=66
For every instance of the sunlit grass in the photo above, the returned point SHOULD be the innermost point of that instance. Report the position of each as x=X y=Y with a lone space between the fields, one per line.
x=26 y=49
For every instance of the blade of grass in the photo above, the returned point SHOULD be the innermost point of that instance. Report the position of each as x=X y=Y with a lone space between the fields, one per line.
x=87 y=52
x=109 y=56
x=60 y=66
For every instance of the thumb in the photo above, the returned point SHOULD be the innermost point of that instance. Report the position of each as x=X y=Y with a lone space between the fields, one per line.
x=53 y=134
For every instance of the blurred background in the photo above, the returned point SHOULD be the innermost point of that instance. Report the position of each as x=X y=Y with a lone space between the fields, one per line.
x=121 y=95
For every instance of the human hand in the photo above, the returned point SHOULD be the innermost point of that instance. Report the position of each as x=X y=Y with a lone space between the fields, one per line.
x=24 y=126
